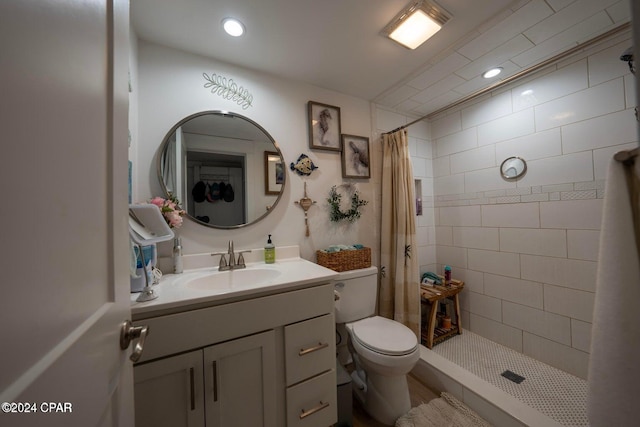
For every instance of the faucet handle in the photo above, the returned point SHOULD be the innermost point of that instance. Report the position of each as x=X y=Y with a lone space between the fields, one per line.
x=223 y=261
x=240 y=263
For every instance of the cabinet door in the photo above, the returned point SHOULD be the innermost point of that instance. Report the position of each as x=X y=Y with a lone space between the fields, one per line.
x=169 y=392
x=240 y=382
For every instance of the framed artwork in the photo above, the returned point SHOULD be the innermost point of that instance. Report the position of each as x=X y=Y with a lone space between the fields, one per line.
x=355 y=157
x=273 y=173
x=324 y=126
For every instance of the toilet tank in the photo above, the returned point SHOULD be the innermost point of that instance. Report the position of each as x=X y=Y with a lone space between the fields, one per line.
x=358 y=290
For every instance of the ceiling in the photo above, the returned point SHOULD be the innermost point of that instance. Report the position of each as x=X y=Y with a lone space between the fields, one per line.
x=337 y=44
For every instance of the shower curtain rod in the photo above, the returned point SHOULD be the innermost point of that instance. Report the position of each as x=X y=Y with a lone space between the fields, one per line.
x=520 y=74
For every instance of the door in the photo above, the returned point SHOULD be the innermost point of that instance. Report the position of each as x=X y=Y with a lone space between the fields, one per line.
x=65 y=285
x=240 y=382
x=169 y=392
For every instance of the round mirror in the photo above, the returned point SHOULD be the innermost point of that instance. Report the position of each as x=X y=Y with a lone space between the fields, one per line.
x=513 y=167
x=224 y=168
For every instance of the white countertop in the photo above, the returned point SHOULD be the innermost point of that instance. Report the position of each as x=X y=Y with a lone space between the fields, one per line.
x=294 y=273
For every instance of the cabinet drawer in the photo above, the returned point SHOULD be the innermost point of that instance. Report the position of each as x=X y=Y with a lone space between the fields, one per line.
x=312 y=403
x=309 y=348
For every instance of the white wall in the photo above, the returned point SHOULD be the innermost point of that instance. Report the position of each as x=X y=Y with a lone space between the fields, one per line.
x=171 y=87
x=527 y=250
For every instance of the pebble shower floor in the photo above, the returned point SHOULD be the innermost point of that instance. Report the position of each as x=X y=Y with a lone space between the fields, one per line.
x=557 y=394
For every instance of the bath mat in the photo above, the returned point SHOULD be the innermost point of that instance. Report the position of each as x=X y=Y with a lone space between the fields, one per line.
x=445 y=411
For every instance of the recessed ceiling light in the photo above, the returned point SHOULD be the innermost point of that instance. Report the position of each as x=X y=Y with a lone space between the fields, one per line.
x=233 y=27
x=492 y=72
x=416 y=24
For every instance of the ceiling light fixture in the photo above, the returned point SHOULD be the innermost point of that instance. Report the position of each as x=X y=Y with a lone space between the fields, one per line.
x=492 y=72
x=416 y=23
x=233 y=27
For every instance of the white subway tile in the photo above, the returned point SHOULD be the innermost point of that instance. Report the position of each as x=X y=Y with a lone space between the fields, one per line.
x=571 y=214
x=531 y=147
x=476 y=237
x=460 y=216
x=534 y=241
x=485 y=306
x=596 y=101
x=571 y=273
x=457 y=142
x=485 y=180
x=444 y=236
x=501 y=263
x=563 y=357
x=561 y=41
x=512 y=126
x=477 y=158
x=548 y=325
x=581 y=335
x=569 y=302
x=562 y=82
x=606 y=65
x=629 y=91
x=441 y=166
x=523 y=215
x=419 y=166
x=602 y=131
x=493 y=108
x=451 y=255
x=473 y=280
x=515 y=290
x=560 y=169
x=446 y=125
x=583 y=244
x=452 y=184
x=496 y=331
x=502 y=31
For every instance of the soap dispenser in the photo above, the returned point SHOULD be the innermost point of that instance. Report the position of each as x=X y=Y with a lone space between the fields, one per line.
x=177 y=256
x=269 y=252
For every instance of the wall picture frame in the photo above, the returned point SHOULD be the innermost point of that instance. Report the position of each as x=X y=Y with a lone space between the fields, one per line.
x=324 y=126
x=356 y=159
x=273 y=173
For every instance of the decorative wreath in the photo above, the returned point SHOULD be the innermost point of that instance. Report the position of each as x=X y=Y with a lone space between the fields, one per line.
x=334 y=202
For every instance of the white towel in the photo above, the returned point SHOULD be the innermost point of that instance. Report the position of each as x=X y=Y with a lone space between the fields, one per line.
x=614 y=368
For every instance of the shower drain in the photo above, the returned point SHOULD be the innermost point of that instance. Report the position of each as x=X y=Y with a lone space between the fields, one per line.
x=512 y=376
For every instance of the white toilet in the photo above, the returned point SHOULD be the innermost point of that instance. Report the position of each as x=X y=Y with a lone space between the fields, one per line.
x=383 y=350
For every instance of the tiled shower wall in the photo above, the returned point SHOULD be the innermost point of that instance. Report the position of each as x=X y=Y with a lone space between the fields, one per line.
x=527 y=250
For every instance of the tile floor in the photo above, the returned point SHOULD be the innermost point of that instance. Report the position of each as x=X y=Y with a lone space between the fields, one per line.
x=553 y=392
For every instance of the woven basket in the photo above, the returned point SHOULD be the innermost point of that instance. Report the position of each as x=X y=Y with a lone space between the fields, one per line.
x=345 y=260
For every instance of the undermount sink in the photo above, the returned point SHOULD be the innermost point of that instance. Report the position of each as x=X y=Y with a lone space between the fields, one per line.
x=232 y=279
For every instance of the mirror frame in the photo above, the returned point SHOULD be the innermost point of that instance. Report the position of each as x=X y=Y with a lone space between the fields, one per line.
x=165 y=142
x=503 y=171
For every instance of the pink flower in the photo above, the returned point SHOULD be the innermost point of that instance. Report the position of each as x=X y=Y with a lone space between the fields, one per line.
x=170 y=209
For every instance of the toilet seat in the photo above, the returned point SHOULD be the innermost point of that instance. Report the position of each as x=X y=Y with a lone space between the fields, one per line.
x=384 y=336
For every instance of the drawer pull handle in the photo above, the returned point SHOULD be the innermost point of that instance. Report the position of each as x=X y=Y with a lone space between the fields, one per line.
x=320 y=346
x=193 y=388
x=215 y=381
x=312 y=411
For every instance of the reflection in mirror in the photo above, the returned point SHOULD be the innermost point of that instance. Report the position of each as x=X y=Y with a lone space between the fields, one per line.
x=513 y=167
x=225 y=169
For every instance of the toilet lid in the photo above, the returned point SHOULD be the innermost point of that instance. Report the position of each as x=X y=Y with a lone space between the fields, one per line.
x=384 y=336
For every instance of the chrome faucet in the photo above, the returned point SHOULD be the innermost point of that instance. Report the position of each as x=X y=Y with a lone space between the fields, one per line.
x=232 y=264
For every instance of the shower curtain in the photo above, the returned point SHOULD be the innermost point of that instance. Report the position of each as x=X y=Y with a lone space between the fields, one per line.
x=399 y=272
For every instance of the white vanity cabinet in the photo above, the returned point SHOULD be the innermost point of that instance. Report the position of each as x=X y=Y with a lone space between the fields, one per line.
x=267 y=361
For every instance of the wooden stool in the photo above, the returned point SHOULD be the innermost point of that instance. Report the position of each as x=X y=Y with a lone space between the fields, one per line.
x=432 y=294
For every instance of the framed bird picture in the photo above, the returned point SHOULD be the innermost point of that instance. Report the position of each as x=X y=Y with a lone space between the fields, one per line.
x=324 y=126
x=355 y=157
